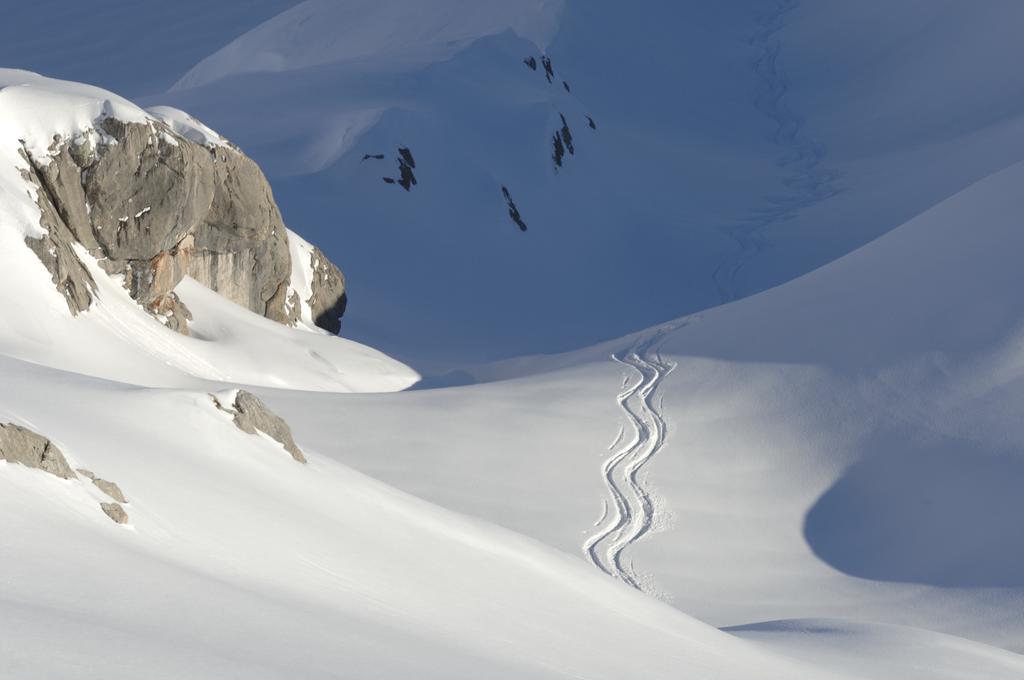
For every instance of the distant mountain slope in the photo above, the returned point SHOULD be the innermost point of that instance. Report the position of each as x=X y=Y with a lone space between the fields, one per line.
x=135 y=47
x=737 y=145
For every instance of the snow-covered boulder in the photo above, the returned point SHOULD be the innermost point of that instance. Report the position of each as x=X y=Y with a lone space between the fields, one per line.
x=154 y=197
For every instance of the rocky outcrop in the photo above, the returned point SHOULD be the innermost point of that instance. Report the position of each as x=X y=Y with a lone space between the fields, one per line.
x=251 y=415
x=329 y=298
x=406 y=164
x=24 y=447
x=152 y=205
x=109 y=488
x=513 y=211
x=171 y=312
x=115 y=512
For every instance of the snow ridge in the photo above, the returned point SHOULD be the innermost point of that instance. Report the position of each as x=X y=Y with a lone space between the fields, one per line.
x=631 y=514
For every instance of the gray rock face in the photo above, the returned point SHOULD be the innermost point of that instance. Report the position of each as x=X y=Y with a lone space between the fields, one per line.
x=115 y=512
x=252 y=415
x=25 y=447
x=329 y=298
x=154 y=206
x=111 y=489
x=55 y=250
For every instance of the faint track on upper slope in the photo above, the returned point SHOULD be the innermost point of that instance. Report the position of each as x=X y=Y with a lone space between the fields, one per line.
x=807 y=181
x=630 y=513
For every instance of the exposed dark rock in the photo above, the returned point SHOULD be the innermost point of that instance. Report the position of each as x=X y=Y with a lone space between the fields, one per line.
x=154 y=206
x=374 y=156
x=591 y=123
x=406 y=178
x=567 y=136
x=407 y=156
x=558 y=150
x=24 y=447
x=115 y=512
x=565 y=84
x=252 y=415
x=549 y=71
x=531 y=63
x=513 y=211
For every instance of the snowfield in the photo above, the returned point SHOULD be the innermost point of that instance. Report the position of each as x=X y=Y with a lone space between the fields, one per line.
x=806 y=465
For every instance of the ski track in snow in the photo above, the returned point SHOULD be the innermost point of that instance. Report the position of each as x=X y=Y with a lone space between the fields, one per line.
x=806 y=184
x=629 y=515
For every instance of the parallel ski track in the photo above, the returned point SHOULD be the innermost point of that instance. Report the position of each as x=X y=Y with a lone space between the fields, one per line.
x=630 y=513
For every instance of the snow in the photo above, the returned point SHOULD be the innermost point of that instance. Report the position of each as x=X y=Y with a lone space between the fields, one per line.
x=116 y=338
x=318 y=32
x=302 y=254
x=729 y=157
x=187 y=126
x=820 y=479
x=356 y=567
x=843 y=446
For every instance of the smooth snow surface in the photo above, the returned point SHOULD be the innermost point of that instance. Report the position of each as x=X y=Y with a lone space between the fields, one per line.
x=319 y=32
x=187 y=126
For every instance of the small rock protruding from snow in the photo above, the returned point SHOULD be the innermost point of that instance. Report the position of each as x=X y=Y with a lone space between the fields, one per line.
x=115 y=512
x=111 y=489
x=171 y=312
x=406 y=163
x=549 y=71
x=513 y=211
x=25 y=447
x=251 y=415
x=567 y=135
x=531 y=63
x=557 y=150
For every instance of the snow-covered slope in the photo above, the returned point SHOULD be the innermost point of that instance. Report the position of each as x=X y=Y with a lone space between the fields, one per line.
x=238 y=562
x=226 y=557
x=817 y=481
x=317 y=32
x=844 y=446
x=737 y=145
x=116 y=338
